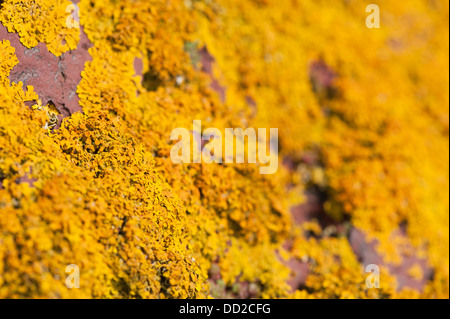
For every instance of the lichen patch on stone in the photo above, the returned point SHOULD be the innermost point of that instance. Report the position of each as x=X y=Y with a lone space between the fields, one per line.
x=54 y=79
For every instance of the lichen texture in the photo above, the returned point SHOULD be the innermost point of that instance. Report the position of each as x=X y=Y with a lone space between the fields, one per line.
x=86 y=177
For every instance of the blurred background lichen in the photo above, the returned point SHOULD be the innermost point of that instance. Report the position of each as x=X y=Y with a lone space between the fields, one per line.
x=86 y=176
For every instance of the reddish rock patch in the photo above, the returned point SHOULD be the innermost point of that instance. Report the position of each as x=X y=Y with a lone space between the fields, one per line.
x=299 y=269
x=366 y=252
x=26 y=179
x=252 y=105
x=207 y=61
x=55 y=79
x=138 y=65
x=311 y=209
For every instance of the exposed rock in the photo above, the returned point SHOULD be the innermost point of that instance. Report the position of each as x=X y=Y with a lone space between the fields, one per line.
x=322 y=79
x=54 y=79
x=207 y=62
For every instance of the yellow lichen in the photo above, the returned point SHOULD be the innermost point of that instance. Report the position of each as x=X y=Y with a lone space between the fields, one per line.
x=101 y=191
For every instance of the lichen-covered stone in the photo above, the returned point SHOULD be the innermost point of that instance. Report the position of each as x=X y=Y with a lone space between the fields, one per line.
x=363 y=123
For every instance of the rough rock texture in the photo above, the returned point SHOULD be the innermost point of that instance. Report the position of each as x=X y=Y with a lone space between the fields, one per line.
x=55 y=79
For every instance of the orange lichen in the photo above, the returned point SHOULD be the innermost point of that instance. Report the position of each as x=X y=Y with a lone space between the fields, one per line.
x=101 y=191
x=40 y=21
